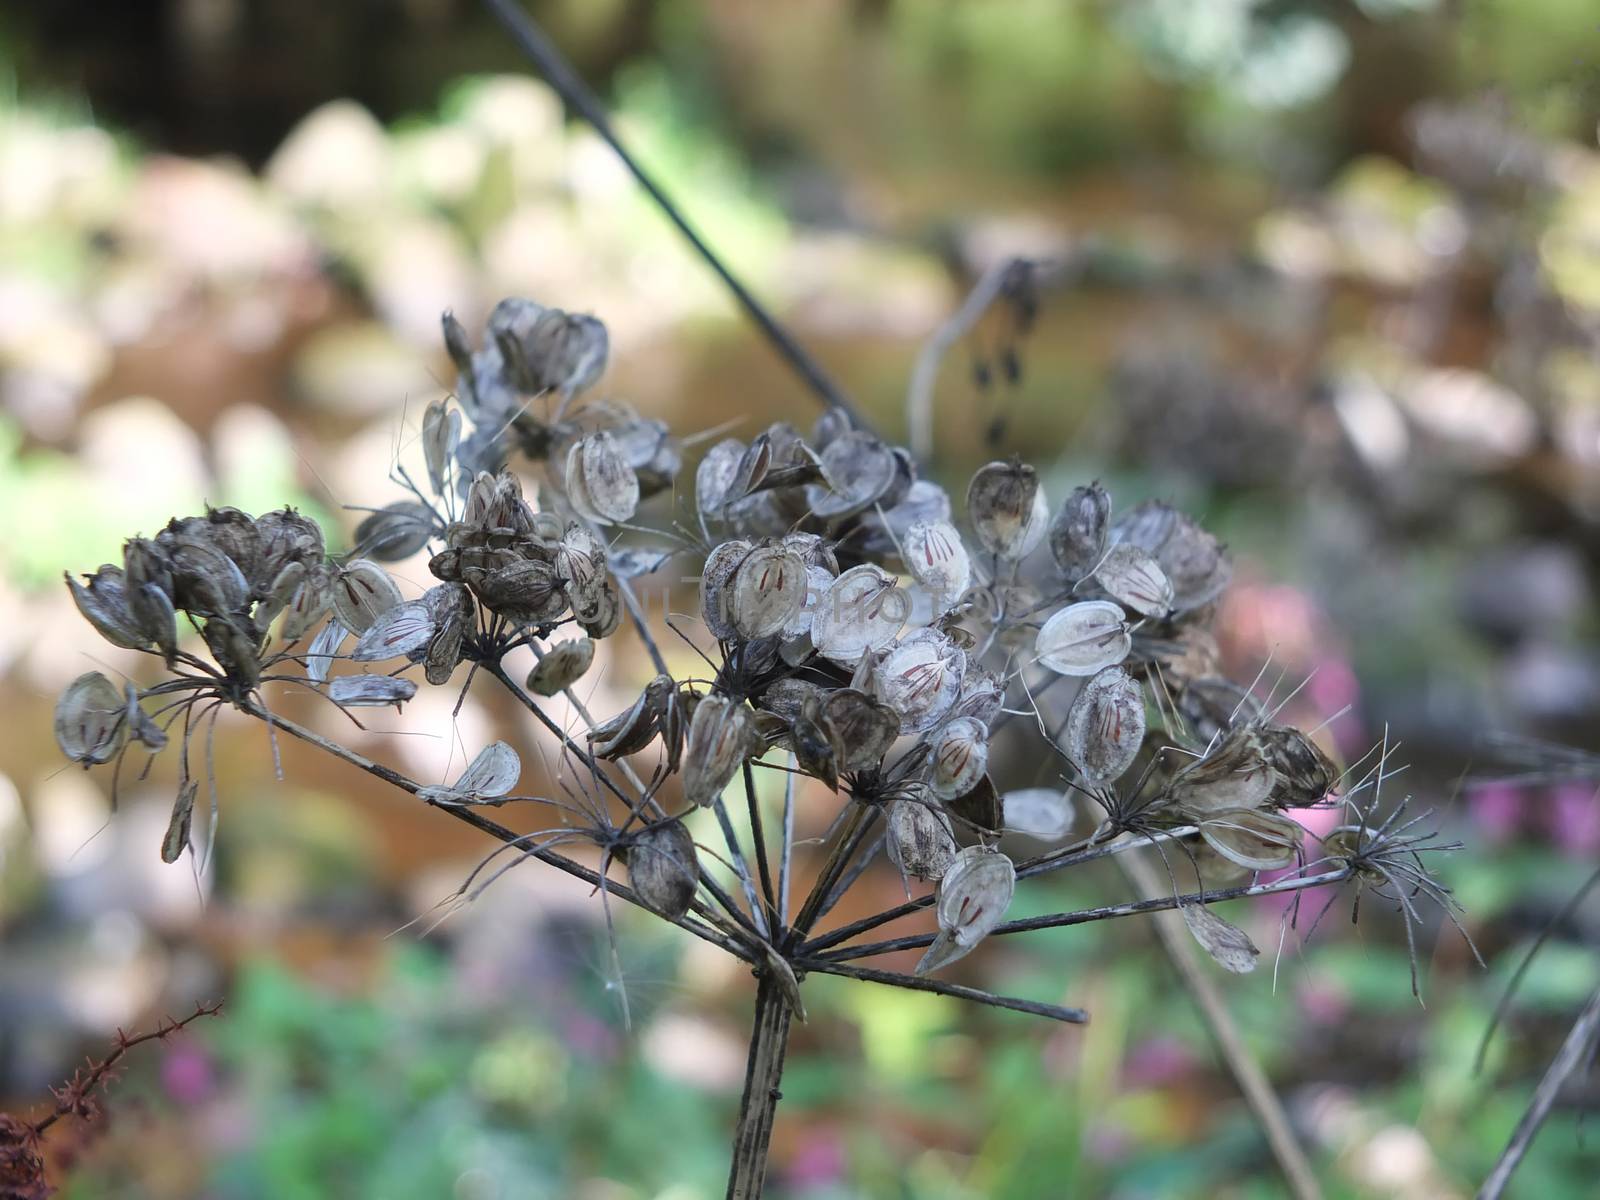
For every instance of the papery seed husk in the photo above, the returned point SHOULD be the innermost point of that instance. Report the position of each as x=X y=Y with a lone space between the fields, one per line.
x=324 y=647
x=562 y=666
x=1084 y=638
x=864 y=729
x=769 y=588
x=141 y=727
x=235 y=534
x=860 y=612
x=1227 y=944
x=980 y=807
x=1197 y=564
x=920 y=679
x=722 y=734
x=1105 y=726
x=1007 y=508
x=960 y=757
x=279 y=595
x=631 y=730
x=1078 y=533
x=104 y=604
x=1212 y=704
x=455 y=614
x=285 y=536
x=817 y=582
x=920 y=840
x=91 y=719
x=361 y=593
x=1135 y=579
x=857 y=470
x=938 y=561
x=176 y=840
x=395 y=532
x=370 y=691
x=813 y=747
x=1041 y=813
x=1259 y=841
x=664 y=868
x=204 y=579
x=234 y=650
x=611 y=485
x=603 y=615
x=1234 y=775
x=526 y=591
x=441 y=433
x=493 y=772
x=982 y=695
x=404 y=628
x=716 y=587
x=974 y=894
x=309 y=601
x=1304 y=773
x=787 y=697
x=751 y=469
x=713 y=478
x=158 y=618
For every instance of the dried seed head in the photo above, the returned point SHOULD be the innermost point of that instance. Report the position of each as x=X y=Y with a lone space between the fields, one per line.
x=920 y=678
x=857 y=470
x=91 y=720
x=716 y=588
x=455 y=616
x=320 y=654
x=1195 y=562
x=722 y=734
x=1084 y=638
x=769 y=590
x=562 y=666
x=104 y=604
x=631 y=730
x=397 y=633
x=960 y=758
x=564 y=352
x=441 y=426
x=1078 y=533
x=1229 y=945
x=920 y=839
x=234 y=650
x=363 y=592
x=938 y=561
x=714 y=477
x=1105 y=726
x=525 y=590
x=601 y=486
x=370 y=691
x=1235 y=775
x=1304 y=773
x=813 y=746
x=282 y=537
x=974 y=894
x=395 y=532
x=204 y=579
x=176 y=840
x=487 y=779
x=664 y=868
x=1007 y=508
x=980 y=807
x=1256 y=840
x=141 y=728
x=861 y=611
x=1041 y=813
x=982 y=695
x=864 y=729
x=1135 y=579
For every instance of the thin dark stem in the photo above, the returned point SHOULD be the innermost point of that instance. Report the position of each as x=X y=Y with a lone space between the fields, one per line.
x=858 y=867
x=636 y=614
x=552 y=64
x=759 y=837
x=741 y=868
x=917 y=983
x=842 y=849
x=769 y=1040
x=787 y=854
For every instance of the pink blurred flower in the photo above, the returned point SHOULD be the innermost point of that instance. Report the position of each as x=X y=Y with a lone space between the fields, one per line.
x=819 y=1160
x=1156 y=1061
x=1496 y=810
x=1573 y=817
x=187 y=1074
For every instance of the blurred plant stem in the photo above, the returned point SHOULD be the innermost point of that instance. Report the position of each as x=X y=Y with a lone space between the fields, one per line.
x=769 y=1039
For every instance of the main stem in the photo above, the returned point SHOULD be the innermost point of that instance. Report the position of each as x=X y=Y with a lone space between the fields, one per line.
x=763 y=1071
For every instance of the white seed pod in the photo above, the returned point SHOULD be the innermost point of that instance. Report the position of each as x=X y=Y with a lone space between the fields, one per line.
x=1235 y=775
x=104 y=604
x=974 y=894
x=1134 y=578
x=722 y=734
x=310 y=599
x=960 y=758
x=1041 y=813
x=920 y=839
x=1105 y=726
x=488 y=777
x=664 y=868
x=1197 y=564
x=1256 y=840
x=1007 y=508
x=920 y=678
x=861 y=611
x=1078 y=533
x=982 y=696
x=818 y=581
x=1229 y=945
x=562 y=666
x=769 y=588
x=323 y=649
x=441 y=433
x=716 y=587
x=607 y=484
x=181 y=823
x=938 y=561
x=370 y=691
x=395 y=634
x=857 y=469
x=1084 y=638
x=362 y=593
x=713 y=478
x=91 y=719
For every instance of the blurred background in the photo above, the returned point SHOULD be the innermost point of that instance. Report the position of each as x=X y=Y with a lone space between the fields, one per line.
x=1327 y=272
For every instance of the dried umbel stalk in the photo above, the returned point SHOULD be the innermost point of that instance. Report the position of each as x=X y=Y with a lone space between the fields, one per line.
x=869 y=647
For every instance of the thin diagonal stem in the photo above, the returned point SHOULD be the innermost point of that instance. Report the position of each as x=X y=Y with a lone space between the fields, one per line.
x=787 y=854
x=559 y=74
x=759 y=837
x=741 y=868
x=842 y=849
x=917 y=983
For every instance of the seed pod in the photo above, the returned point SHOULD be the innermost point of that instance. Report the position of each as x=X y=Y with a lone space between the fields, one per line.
x=1197 y=564
x=1229 y=945
x=714 y=477
x=284 y=536
x=750 y=472
x=91 y=720
x=176 y=840
x=1084 y=638
x=564 y=352
x=404 y=628
x=1304 y=773
x=104 y=604
x=982 y=695
x=562 y=666
x=664 y=868
x=204 y=579
x=980 y=807
x=362 y=592
x=863 y=729
x=716 y=587
x=370 y=691
x=920 y=678
x=279 y=595
x=920 y=840
x=813 y=747
x=938 y=561
x=396 y=531
x=1041 y=813
x=526 y=591
x=1212 y=704
x=441 y=429
x=601 y=486
x=787 y=697
x=141 y=728
x=454 y=615
x=722 y=734
x=1078 y=533
x=1235 y=775
x=234 y=651
x=857 y=469
x=310 y=599
x=1256 y=840
x=960 y=758
x=157 y=618
x=1007 y=508
x=1105 y=726
x=631 y=730
x=769 y=588
x=861 y=611
x=488 y=777
x=602 y=615
x=1134 y=578
x=234 y=533
x=974 y=894
x=323 y=649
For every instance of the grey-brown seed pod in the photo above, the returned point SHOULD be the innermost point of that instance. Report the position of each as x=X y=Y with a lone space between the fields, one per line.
x=562 y=665
x=664 y=868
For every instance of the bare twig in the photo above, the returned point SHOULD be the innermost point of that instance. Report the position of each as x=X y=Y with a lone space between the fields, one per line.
x=918 y=983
